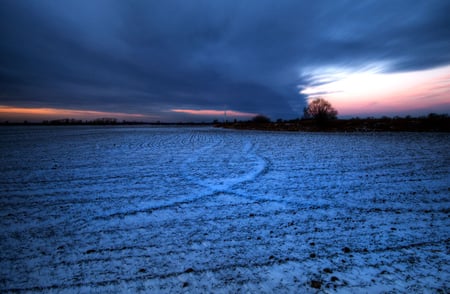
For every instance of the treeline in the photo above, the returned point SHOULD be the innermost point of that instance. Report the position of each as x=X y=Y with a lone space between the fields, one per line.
x=67 y=121
x=98 y=121
x=431 y=123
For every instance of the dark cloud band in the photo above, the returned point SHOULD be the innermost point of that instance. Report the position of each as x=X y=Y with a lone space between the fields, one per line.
x=247 y=56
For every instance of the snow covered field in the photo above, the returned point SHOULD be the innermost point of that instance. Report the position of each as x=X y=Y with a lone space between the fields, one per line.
x=147 y=209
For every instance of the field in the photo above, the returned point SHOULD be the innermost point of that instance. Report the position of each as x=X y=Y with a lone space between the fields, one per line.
x=148 y=209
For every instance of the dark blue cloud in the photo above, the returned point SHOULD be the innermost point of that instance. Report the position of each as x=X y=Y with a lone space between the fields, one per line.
x=151 y=56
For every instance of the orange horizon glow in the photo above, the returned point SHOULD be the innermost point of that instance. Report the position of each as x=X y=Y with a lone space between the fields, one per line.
x=212 y=112
x=42 y=113
x=365 y=93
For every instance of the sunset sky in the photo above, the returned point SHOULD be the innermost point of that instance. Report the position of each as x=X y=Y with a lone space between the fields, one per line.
x=196 y=60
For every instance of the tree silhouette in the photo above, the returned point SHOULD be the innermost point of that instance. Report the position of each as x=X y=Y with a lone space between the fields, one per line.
x=320 y=110
x=260 y=119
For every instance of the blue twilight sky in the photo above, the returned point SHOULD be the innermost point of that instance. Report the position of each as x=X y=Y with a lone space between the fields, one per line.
x=191 y=60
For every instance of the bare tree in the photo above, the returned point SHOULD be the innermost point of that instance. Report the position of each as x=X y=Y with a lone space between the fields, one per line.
x=320 y=110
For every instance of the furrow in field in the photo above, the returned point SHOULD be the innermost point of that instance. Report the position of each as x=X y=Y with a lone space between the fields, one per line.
x=396 y=261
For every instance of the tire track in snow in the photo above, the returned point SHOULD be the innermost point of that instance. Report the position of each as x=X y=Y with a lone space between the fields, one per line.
x=201 y=172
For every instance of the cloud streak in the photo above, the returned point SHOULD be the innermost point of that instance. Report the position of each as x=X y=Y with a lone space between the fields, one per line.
x=216 y=113
x=24 y=113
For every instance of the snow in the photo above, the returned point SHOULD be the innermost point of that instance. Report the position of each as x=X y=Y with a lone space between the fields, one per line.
x=158 y=209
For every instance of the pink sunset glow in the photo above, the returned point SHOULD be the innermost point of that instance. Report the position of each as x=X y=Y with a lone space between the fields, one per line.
x=372 y=93
x=39 y=114
x=211 y=112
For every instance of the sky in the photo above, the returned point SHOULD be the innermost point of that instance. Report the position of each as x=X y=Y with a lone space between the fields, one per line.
x=199 y=60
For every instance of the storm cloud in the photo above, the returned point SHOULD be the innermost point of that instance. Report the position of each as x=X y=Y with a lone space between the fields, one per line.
x=251 y=56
